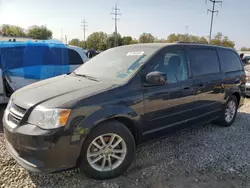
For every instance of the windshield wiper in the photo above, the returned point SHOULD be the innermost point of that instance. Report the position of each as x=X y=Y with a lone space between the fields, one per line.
x=86 y=76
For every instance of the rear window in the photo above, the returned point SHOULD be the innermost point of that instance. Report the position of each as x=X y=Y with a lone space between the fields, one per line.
x=205 y=62
x=230 y=61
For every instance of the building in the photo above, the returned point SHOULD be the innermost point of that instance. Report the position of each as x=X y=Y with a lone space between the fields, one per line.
x=7 y=38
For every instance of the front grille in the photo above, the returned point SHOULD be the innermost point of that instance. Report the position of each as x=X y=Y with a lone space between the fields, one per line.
x=16 y=114
x=19 y=109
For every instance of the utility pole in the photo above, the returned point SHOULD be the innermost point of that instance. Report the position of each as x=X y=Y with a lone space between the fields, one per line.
x=84 y=25
x=115 y=12
x=212 y=18
x=61 y=35
x=186 y=34
x=66 y=40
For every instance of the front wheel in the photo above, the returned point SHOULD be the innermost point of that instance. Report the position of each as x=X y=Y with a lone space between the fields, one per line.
x=107 y=151
x=229 y=112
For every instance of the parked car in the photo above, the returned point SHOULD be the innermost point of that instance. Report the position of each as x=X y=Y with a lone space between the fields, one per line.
x=23 y=63
x=246 y=59
x=247 y=71
x=91 y=53
x=126 y=96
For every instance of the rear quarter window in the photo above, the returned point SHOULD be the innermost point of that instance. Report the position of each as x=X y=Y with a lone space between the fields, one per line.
x=230 y=61
x=74 y=58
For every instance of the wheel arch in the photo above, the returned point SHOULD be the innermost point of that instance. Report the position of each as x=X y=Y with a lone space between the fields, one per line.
x=123 y=114
x=237 y=95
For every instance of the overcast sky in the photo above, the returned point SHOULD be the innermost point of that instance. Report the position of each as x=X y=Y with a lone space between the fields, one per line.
x=159 y=17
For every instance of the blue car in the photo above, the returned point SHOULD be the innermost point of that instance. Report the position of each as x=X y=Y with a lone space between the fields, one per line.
x=23 y=63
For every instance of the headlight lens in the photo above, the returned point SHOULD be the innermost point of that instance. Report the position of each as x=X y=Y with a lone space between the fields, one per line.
x=247 y=78
x=9 y=105
x=49 y=118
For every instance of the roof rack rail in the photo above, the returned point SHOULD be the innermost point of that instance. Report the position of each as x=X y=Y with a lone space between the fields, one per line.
x=191 y=42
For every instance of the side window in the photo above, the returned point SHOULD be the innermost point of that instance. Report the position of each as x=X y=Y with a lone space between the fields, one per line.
x=174 y=64
x=74 y=58
x=229 y=61
x=205 y=62
x=13 y=57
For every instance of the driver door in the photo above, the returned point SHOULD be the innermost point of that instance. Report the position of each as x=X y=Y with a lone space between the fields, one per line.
x=168 y=106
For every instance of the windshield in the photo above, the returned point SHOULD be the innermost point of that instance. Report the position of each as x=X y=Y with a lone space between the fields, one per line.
x=117 y=64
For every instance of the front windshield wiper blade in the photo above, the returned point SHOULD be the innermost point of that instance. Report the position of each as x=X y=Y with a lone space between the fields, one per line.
x=87 y=76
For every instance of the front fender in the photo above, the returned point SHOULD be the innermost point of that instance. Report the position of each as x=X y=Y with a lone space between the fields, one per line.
x=109 y=113
x=82 y=129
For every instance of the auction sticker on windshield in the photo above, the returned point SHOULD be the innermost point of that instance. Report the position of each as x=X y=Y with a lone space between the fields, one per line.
x=135 y=53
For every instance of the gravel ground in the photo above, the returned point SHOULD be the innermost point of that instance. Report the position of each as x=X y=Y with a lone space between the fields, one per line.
x=207 y=156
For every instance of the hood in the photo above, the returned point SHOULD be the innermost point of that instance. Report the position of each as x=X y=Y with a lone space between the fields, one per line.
x=58 y=90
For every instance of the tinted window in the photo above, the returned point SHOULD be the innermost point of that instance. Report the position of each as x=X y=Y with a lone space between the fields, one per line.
x=74 y=58
x=12 y=57
x=173 y=64
x=205 y=62
x=229 y=61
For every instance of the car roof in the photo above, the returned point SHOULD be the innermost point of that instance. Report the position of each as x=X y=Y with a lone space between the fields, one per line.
x=50 y=43
x=161 y=45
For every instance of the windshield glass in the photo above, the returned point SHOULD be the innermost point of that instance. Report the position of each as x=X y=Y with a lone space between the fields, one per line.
x=117 y=64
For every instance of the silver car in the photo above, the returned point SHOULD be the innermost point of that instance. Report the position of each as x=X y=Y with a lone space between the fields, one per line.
x=247 y=71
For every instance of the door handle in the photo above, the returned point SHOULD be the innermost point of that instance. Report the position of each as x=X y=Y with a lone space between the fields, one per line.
x=201 y=85
x=186 y=88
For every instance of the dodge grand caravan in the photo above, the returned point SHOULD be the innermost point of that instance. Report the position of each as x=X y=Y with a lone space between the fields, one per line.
x=95 y=117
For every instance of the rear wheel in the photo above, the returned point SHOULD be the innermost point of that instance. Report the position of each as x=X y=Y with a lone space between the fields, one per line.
x=229 y=112
x=107 y=151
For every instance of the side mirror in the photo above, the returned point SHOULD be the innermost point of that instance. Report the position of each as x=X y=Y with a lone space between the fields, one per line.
x=156 y=78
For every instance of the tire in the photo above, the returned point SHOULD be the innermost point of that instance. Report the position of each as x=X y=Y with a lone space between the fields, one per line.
x=107 y=130
x=223 y=121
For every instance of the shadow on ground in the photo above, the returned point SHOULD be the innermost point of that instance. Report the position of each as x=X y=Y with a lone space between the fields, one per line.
x=143 y=162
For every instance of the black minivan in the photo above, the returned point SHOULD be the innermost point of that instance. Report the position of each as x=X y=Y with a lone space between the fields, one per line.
x=95 y=117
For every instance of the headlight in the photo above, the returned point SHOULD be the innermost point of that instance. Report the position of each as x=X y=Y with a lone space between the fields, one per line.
x=49 y=118
x=247 y=78
x=9 y=105
x=7 y=109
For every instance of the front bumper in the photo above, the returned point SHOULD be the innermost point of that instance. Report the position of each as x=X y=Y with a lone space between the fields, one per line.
x=40 y=150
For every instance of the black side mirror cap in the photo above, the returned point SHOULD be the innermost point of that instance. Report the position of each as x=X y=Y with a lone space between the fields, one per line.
x=156 y=78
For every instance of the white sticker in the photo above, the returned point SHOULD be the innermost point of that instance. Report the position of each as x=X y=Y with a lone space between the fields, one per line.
x=135 y=53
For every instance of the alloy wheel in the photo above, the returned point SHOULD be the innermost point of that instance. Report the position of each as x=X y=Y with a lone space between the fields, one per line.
x=106 y=152
x=230 y=111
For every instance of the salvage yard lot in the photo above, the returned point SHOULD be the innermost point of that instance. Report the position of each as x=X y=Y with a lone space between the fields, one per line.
x=207 y=156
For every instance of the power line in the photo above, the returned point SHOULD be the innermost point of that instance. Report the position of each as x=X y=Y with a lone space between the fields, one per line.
x=212 y=17
x=115 y=12
x=84 y=25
